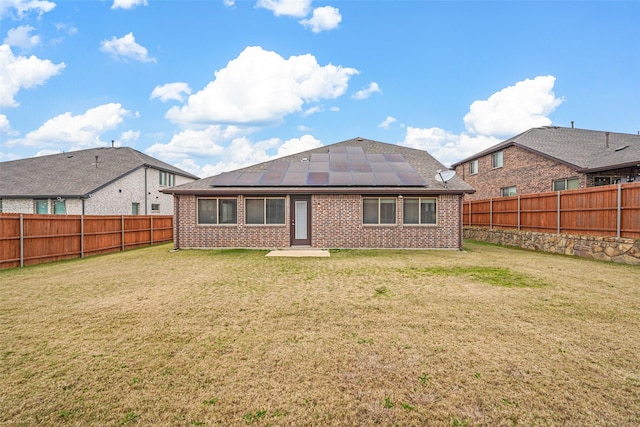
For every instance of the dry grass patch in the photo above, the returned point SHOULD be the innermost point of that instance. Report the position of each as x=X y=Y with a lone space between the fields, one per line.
x=490 y=336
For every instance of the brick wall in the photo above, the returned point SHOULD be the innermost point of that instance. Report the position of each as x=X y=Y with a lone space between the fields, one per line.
x=336 y=223
x=529 y=172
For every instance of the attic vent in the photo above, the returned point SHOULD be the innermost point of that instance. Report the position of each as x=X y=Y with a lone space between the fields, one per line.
x=304 y=159
x=621 y=148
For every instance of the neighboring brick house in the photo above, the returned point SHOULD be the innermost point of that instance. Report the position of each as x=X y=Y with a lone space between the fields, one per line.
x=98 y=181
x=551 y=159
x=354 y=194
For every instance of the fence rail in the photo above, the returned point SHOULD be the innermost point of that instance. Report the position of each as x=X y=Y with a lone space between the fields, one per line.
x=27 y=239
x=612 y=210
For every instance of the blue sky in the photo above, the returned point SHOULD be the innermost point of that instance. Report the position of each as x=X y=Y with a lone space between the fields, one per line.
x=214 y=85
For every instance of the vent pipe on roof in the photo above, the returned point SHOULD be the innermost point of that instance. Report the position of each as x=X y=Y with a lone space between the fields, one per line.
x=112 y=143
x=606 y=139
x=571 y=124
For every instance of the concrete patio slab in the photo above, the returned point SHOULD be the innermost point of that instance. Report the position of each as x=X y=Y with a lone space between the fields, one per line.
x=307 y=252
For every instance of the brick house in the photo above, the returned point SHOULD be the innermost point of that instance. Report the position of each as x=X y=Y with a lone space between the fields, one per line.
x=357 y=193
x=98 y=181
x=551 y=158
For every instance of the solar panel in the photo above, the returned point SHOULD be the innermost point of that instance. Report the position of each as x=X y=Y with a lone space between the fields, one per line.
x=278 y=167
x=341 y=167
x=318 y=178
x=319 y=157
x=271 y=178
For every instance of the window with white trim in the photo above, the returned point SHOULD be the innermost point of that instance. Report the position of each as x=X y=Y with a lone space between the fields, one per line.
x=217 y=211
x=41 y=206
x=497 y=160
x=566 y=184
x=508 y=191
x=473 y=167
x=167 y=179
x=378 y=210
x=268 y=210
x=419 y=210
x=59 y=207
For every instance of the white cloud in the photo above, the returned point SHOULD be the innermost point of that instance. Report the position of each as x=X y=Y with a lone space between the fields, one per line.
x=295 y=8
x=260 y=86
x=366 y=92
x=387 y=122
x=313 y=110
x=18 y=72
x=5 y=127
x=21 y=37
x=193 y=143
x=323 y=19
x=171 y=91
x=127 y=4
x=129 y=136
x=514 y=109
x=445 y=146
x=126 y=48
x=297 y=145
x=81 y=131
x=24 y=6
x=229 y=3
x=509 y=111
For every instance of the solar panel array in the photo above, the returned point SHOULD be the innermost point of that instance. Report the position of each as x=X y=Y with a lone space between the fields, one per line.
x=340 y=167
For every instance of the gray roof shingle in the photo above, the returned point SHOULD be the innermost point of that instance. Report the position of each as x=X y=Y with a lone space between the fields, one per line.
x=74 y=174
x=581 y=149
x=421 y=161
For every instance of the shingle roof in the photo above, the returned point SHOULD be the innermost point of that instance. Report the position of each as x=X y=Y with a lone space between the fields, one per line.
x=74 y=174
x=581 y=149
x=420 y=161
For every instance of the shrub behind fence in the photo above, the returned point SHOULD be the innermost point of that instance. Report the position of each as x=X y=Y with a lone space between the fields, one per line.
x=27 y=239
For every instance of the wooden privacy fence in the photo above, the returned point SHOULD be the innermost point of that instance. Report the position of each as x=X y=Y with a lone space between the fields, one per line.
x=27 y=239
x=612 y=210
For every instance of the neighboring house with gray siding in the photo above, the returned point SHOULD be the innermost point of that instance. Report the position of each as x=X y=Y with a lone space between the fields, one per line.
x=357 y=193
x=552 y=158
x=98 y=181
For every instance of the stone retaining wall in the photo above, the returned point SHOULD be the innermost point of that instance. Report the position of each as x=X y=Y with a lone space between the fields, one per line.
x=595 y=247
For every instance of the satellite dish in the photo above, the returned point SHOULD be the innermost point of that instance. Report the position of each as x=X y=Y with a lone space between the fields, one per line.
x=445 y=175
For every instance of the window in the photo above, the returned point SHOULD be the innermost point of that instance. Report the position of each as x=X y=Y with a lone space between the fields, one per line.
x=419 y=210
x=59 y=207
x=378 y=210
x=155 y=207
x=42 y=206
x=508 y=191
x=167 y=179
x=565 y=184
x=0 y=205
x=135 y=208
x=473 y=167
x=496 y=160
x=217 y=211
x=265 y=211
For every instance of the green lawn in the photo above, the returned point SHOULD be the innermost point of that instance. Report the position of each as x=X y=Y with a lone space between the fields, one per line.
x=489 y=336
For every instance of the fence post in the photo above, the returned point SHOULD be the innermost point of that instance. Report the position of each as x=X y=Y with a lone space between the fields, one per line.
x=122 y=233
x=558 y=214
x=470 y=222
x=82 y=236
x=491 y=213
x=151 y=229
x=21 y=240
x=518 y=212
x=619 y=218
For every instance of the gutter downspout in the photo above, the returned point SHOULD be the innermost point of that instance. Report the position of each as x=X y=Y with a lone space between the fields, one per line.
x=146 y=168
x=176 y=214
x=460 y=208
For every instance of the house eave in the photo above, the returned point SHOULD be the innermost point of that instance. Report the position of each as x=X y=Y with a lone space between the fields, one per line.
x=318 y=190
